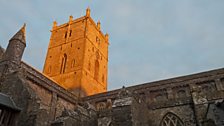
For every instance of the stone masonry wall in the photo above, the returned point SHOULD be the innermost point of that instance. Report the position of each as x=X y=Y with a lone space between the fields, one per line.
x=186 y=98
x=40 y=99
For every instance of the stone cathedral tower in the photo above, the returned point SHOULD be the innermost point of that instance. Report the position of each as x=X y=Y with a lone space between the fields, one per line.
x=77 y=57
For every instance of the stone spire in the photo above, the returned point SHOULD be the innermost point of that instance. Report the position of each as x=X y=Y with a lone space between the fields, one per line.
x=20 y=35
x=16 y=47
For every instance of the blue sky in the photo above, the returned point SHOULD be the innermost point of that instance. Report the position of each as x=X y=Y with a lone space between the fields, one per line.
x=149 y=39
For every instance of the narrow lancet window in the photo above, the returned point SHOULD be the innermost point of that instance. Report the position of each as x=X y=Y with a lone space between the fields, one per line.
x=63 y=63
x=70 y=34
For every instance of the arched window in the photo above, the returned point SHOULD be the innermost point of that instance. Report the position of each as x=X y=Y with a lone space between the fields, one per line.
x=171 y=119
x=63 y=63
x=97 y=66
x=70 y=33
x=65 y=34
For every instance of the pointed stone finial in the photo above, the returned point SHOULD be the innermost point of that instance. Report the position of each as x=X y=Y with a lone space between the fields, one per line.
x=20 y=35
x=70 y=18
x=107 y=37
x=55 y=23
x=88 y=12
x=98 y=25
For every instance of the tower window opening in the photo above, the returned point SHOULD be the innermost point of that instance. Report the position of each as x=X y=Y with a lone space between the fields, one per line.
x=63 y=63
x=70 y=34
x=66 y=34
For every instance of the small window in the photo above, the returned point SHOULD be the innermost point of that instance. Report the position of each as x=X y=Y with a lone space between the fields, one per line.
x=70 y=34
x=63 y=63
x=66 y=34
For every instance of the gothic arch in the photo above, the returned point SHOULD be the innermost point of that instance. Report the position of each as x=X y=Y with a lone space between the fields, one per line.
x=170 y=119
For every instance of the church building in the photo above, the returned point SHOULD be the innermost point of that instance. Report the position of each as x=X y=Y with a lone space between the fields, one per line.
x=72 y=89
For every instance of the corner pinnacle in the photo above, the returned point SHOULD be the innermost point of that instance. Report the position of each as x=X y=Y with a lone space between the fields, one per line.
x=20 y=35
x=88 y=12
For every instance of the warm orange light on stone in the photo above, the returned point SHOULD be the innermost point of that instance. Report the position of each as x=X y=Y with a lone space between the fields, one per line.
x=77 y=57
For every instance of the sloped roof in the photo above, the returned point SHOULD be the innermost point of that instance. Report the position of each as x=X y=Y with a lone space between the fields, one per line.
x=6 y=101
